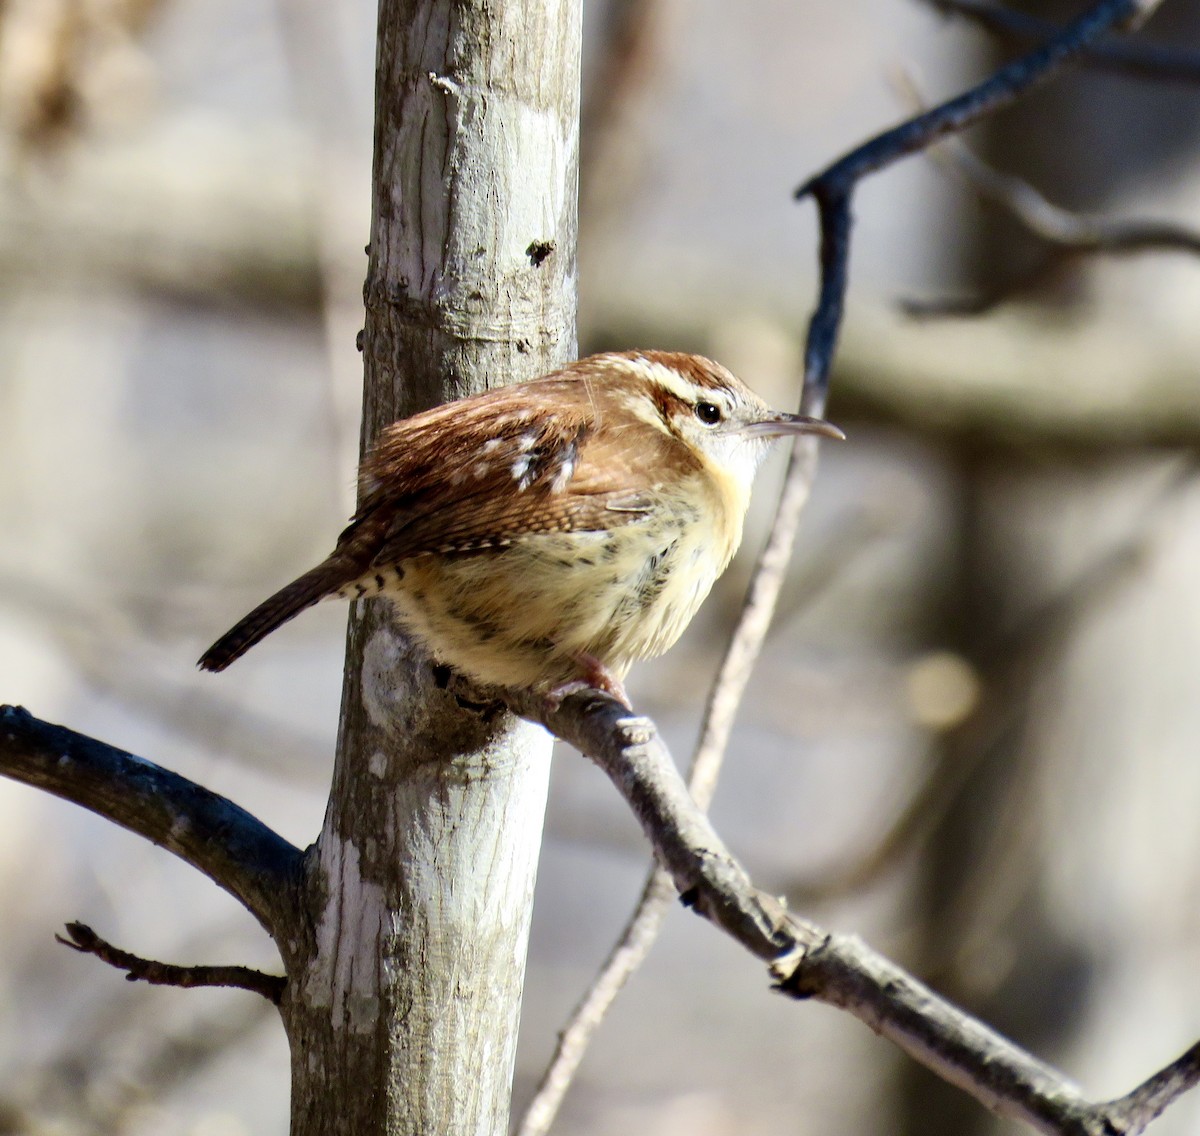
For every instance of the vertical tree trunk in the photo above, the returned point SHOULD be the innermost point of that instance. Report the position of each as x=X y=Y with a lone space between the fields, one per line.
x=405 y=989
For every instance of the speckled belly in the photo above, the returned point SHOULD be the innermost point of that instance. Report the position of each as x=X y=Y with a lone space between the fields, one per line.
x=523 y=616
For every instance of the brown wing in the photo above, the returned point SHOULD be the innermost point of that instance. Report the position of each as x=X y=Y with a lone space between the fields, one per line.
x=560 y=454
x=477 y=473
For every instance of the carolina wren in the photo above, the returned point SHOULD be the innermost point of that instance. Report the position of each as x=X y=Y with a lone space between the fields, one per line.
x=549 y=534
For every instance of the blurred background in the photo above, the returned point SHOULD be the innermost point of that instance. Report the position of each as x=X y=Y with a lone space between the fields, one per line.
x=973 y=737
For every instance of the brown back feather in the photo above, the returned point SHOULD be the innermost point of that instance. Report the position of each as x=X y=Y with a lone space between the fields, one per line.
x=559 y=454
x=518 y=461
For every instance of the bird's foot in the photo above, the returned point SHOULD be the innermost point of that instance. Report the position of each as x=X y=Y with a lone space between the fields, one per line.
x=596 y=676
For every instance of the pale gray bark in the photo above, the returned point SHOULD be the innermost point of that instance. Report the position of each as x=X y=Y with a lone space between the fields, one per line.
x=404 y=997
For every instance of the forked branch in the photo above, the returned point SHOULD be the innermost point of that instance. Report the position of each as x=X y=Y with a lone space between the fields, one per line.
x=833 y=188
x=1064 y=233
x=809 y=962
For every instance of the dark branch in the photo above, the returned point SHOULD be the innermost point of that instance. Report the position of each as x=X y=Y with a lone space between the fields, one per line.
x=808 y=962
x=137 y=969
x=833 y=187
x=1067 y=234
x=1137 y=60
x=229 y=845
x=627 y=954
x=1149 y=1099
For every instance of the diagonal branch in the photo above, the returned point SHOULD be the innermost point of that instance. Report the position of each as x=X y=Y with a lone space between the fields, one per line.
x=1137 y=60
x=627 y=955
x=833 y=188
x=1133 y=1112
x=1073 y=232
x=229 y=845
x=808 y=962
x=1066 y=234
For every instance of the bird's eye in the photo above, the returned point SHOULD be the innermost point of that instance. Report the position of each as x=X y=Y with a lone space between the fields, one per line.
x=708 y=412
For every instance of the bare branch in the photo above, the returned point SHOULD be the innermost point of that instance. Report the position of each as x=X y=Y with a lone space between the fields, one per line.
x=832 y=189
x=1148 y=1101
x=633 y=756
x=229 y=845
x=753 y=624
x=638 y=937
x=808 y=962
x=1137 y=60
x=1067 y=233
x=84 y=940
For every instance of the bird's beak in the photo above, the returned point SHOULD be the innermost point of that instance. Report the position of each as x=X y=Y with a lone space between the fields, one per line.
x=780 y=425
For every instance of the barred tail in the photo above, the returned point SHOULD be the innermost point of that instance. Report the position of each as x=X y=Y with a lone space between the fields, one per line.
x=285 y=604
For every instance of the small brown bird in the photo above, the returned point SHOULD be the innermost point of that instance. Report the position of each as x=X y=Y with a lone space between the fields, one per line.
x=547 y=535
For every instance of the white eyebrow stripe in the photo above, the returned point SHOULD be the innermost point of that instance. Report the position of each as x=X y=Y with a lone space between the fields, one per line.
x=667 y=377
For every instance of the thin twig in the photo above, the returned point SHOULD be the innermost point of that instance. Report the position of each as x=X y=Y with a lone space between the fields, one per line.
x=1068 y=234
x=137 y=969
x=832 y=189
x=229 y=845
x=753 y=625
x=809 y=962
x=627 y=955
x=1081 y=232
x=1140 y=61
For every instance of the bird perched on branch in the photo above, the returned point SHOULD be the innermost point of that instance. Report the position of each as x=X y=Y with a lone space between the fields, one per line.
x=545 y=536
